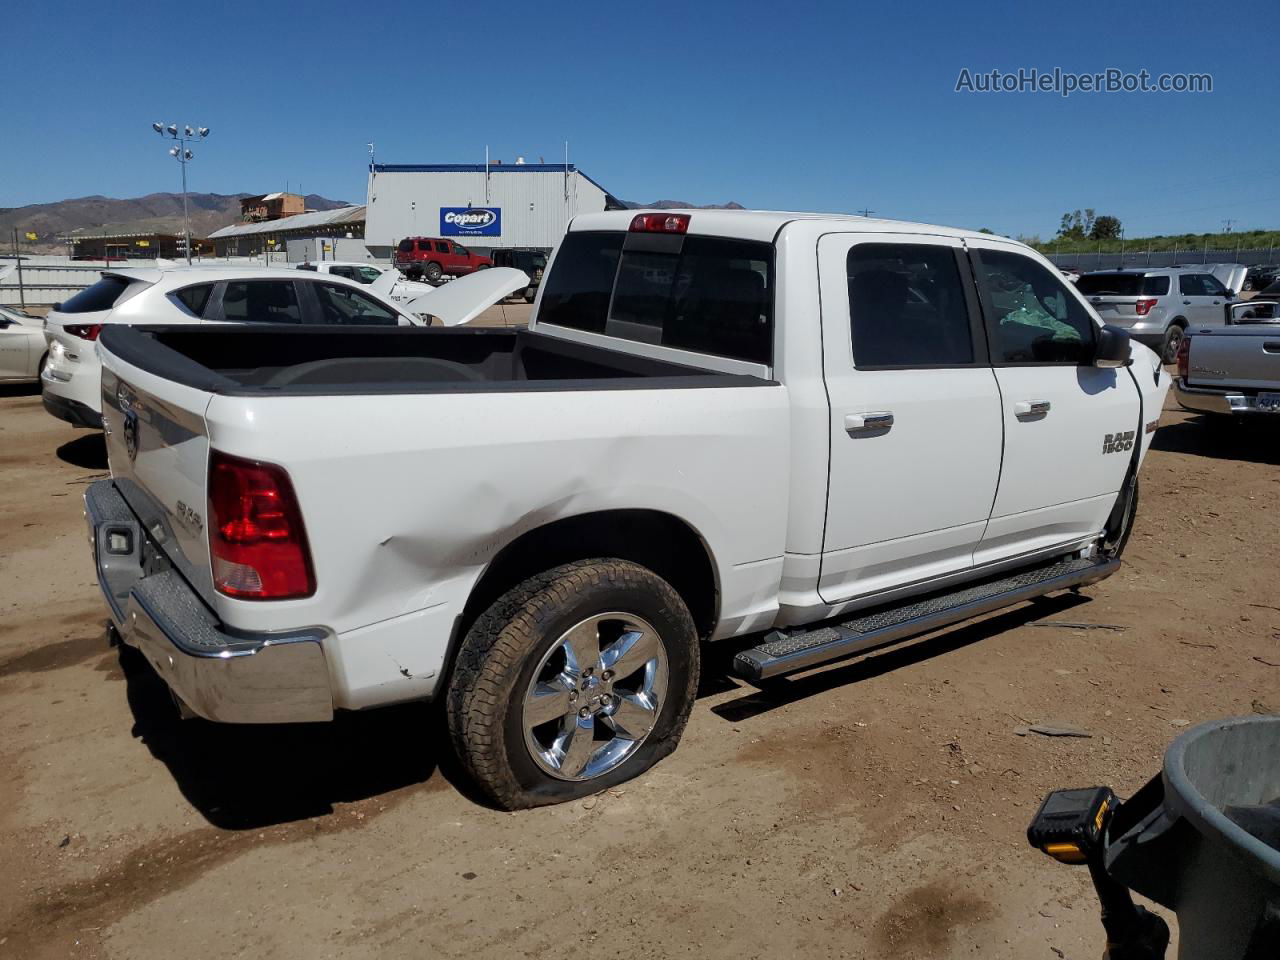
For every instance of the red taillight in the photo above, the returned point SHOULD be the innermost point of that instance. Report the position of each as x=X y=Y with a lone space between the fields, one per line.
x=256 y=539
x=660 y=223
x=1184 y=354
x=1144 y=305
x=85 y=331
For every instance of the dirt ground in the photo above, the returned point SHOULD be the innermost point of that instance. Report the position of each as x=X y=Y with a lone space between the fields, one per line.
x=876 y=808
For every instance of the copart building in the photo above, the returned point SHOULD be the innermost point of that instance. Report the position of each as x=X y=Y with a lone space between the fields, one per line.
x=483 y=206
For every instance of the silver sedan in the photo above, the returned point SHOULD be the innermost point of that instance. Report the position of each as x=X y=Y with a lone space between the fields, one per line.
x=22 y=346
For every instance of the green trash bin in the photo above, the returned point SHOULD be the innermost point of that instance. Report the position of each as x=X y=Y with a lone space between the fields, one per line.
x=1203 y=839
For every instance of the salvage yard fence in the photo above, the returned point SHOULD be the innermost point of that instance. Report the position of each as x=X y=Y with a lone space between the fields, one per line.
x=1189 y=256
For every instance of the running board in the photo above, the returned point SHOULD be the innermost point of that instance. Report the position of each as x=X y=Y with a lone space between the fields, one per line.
x=781 y=652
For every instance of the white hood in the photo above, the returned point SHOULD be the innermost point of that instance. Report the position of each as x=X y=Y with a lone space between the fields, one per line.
x=461 y=300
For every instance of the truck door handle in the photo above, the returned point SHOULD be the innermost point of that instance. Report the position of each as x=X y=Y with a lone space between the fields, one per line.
x=1031 y=408
x=868 y=422
x=1187 y=302
x=1271 y=346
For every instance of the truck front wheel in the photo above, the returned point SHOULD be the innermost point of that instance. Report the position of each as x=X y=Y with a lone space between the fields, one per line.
x=578 y=679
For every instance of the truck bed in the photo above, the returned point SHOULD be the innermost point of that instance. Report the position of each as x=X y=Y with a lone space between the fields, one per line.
x=276 y=359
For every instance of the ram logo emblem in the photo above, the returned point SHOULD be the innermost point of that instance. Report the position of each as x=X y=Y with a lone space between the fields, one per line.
x=1118 y=442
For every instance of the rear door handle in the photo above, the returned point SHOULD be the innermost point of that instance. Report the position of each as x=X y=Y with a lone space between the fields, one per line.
x=868 y=422
x=1031 y=408
x=1187 y=302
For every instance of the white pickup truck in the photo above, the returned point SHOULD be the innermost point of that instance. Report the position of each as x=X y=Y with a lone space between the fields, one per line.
x=818 y=433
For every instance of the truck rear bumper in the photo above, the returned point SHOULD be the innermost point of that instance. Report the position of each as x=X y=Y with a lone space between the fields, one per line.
x=1233 y=402
x=219 y=674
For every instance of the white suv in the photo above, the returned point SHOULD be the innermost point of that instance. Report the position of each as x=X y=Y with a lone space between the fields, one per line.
x=190 y=294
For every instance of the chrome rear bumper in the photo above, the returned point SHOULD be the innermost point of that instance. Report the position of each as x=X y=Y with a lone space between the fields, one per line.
x=1201 y=400
x=217 y=673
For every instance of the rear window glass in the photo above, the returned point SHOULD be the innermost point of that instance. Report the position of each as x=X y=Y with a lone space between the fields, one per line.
x=101 y=296
x=193 y=299
x=405 y=246
x=711 y=296
x=1122 y=285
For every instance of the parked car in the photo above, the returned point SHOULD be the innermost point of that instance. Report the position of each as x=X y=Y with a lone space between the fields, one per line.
x=388 y=281
x=823 y=432
x=431 y=258
x=187 y=296
x=1261 y=276
x=532 y=262
x=1156 y=305
x=1233 y=371
x=22 y=346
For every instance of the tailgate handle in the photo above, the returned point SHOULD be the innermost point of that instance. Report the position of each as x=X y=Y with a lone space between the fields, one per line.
x=1031 y=408
x=875 y=422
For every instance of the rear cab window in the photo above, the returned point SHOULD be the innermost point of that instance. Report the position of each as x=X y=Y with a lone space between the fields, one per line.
x=707 y=295
x=1122 y=285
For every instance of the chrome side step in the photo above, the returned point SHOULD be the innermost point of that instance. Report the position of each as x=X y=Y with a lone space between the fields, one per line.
x=782 y=653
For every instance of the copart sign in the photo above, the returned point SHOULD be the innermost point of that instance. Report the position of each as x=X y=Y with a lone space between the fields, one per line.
x=470 y=222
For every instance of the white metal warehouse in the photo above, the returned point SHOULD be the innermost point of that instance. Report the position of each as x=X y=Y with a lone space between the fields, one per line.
x=483 y=206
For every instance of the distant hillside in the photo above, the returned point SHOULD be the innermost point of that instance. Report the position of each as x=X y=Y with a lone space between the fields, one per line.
x=159 y=212
x=681 y=205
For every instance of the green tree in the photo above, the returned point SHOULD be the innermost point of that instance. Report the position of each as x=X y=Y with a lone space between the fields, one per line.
x=1105 y=228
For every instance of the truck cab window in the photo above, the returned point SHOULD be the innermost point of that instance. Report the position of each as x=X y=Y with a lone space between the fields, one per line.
x=907 y=306
x=1033 y=317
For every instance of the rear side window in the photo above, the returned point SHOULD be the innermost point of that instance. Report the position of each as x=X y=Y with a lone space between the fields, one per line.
x=1122 y=285
x=344 y=305
x=441 y=246
x=1033 y=316
x=344 y=272
x=100 y=296
x=710 y=295
x=907 y=306
x=261 y=301
x=193 y=299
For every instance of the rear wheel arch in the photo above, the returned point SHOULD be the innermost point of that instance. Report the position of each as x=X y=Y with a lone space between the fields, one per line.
x=659 y=541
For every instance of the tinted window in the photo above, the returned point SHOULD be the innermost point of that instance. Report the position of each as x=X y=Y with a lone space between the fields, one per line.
x=441 y=246
x=405 y=246
x=261 y=301
x=1213 y=286
x=710 y=295
x=577 y=291
x=193 y=299
x=460 y=250
x=1122 y=285
x=1192 y=285
x=339 y=304
x=345 y=272
x=907 y=306
x=366 y=274
x=101 y=296
x=1034 y=317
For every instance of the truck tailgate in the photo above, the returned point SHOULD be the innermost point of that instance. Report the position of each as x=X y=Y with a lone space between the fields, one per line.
x=158 y=449
x=1245 y=356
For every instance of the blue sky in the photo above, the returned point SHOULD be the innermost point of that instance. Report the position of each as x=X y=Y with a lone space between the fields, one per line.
x=779 y=105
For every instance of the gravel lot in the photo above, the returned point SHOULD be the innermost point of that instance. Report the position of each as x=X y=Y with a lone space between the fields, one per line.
x=873 y=809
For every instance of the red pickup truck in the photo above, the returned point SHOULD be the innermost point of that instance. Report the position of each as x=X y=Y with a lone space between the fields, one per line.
x=432 y=257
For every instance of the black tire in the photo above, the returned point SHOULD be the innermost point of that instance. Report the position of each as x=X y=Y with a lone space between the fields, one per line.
x=432 y=272
x=1172 y=340
x=501 y=652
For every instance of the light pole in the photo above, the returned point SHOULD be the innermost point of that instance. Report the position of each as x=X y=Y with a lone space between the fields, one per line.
x=183 y=156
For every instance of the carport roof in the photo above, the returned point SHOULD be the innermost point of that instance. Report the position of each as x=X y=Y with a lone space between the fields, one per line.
x=299 y=221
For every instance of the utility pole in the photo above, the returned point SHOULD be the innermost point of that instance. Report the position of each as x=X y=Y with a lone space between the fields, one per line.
x=17 y=256
x=1226 y=225
x=183 y=156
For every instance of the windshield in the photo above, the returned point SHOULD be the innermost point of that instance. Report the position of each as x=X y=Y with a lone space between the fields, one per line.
x=704 y=294
x=1122 y=285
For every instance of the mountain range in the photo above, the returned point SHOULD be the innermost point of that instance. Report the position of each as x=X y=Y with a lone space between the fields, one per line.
x=156 y=212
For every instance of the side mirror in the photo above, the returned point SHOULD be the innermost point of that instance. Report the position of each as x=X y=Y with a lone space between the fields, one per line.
x=1230 y=293
x=1112 y=349
x=58 y=305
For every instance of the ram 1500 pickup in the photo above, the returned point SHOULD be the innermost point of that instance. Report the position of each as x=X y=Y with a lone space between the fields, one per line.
x=819 y=434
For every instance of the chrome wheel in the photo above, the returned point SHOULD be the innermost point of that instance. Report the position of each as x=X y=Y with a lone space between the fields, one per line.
x=595 y=696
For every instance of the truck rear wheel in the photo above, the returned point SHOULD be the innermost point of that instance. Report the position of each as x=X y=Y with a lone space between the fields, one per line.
x=433 y=272
x=572 y=682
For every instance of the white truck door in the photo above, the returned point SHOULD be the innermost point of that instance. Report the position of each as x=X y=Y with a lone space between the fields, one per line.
x=1069 y=427
x=914 y=412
